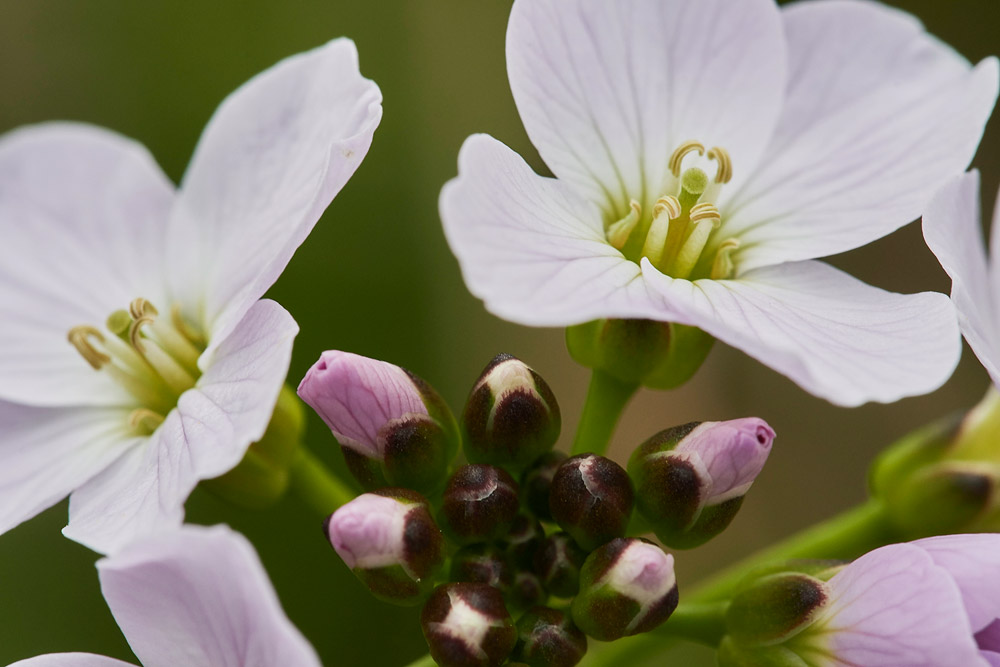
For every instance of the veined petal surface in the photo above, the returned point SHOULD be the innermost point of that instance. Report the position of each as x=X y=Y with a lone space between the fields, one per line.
x=71 y=660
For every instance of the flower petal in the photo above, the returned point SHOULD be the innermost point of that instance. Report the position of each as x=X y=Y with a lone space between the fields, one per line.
x=973 y=561
x=269 y=162
x=835 y=336
x=48 y=452
x=206 y=435
x=70 y=660
x=83 y=216
x=608 y=90
x=529 y=246
x=199 y=597
x=894 y=606
x=952 y=231
x=878 y=114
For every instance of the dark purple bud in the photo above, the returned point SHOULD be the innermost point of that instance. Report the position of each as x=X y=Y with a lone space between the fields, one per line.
x=511 y=416
x=484 y=564
x=467 y=625
x=527 y=591
x=591 y=499
x=480 y=503
x=558 y=565
x=523 y=540
x=547 y=638
x=537 y=480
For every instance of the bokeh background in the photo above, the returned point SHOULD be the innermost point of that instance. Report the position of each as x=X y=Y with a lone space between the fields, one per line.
x=376 y=277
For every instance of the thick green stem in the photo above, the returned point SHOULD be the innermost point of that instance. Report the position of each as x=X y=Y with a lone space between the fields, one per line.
x=426 y=661
x=317 y=486
x=701 y=623
x=606 y=398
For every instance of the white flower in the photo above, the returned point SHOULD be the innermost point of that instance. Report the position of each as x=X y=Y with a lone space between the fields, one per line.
x=173 y=363
x=705 y=153
x=193 y=597
x=952 y=231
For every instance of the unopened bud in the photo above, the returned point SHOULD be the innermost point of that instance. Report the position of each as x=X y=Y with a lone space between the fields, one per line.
x=467 y=625
x=393 y=428
x=661 y=355
x=480 y=503
x=484 y=564
x=527 y=591
x=511 y=417
x=523 y=540
x=536 y=482
x=591 y=498
x=558 y=565
x=626 y=587
x=774 y=608
x=390 y=542
x=690 y=480
x=547 y=638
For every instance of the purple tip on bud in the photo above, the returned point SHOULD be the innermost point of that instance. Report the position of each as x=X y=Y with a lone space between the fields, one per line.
x=732 y=453
x=591 y=498
x=394 y=429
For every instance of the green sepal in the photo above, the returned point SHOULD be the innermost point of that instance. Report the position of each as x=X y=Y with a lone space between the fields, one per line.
x=394 y=585
x=732 y=654
x=775 y=608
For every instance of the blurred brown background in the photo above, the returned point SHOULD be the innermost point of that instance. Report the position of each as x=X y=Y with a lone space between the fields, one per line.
x=376 y=278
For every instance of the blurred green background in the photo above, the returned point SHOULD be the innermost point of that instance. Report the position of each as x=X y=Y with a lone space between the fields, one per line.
x=376 y=278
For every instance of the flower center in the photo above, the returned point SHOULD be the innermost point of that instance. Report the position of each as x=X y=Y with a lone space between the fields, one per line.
x=676 y=234
x=155 y=358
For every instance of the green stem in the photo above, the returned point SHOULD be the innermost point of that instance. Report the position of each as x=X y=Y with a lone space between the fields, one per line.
x=317 y=486
x=606 y=398
x=704 y=623
x=426 y=661
x=845 y=536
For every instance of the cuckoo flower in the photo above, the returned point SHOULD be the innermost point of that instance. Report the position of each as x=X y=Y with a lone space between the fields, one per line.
x=136 y=356
x=197 y=597
x=930 y=602
x=705 y=154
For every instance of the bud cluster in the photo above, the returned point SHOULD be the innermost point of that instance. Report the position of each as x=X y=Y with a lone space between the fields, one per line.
x=522 y=553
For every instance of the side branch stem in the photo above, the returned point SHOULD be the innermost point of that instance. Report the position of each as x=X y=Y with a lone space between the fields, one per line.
x=607 y=397
x=316 y=485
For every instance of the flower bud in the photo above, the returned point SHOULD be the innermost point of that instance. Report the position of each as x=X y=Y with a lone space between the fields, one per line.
x=390 y=542
x=480 y=503
x=591 y=498
x=467 y=625
x=690 y=480
x=774 y=608
x=626 y=587
x=511 y=417
x=523 y=540
x=660 y=355
x=558 y=564
x=536 y=482
x=484 y=564
x=393 y=428
x=527 y=591
x=547 y=638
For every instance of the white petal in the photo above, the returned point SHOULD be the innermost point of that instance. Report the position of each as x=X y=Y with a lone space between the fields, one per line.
x=199 y=597
x=878 y=114
x=70 y=660
x=531 y=248
x=973 y=561
x=892 y=607
x=952 y=231
x=608 y=90
x=83 y=216
x=48 y=452
x=835 y=336
x=268 y=164
x=206 y=435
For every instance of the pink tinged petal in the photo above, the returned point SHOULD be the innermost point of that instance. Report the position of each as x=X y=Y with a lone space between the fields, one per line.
x=48 y=452
x=199 y=597
x=368 y=531
x=357 y=397
x=71 y=660
x=529 y=247
x=835 y=336
x=878 y=114
x=607 y=91
x=206 y=435
x=894 y=606
x=952 y=231
x=733 y=453
x=973 y=561
x=83 y=217
x=988 y=640
x=272 y=158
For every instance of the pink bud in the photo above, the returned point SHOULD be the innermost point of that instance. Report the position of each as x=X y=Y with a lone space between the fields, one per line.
x=730 y=455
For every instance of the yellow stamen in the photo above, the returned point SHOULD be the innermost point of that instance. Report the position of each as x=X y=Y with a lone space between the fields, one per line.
x=725 y=170
x=80 y=336
x=186 y=330
x=722 y=266
x=619 y=232
x=144 y=420
x=678 y=155
x=140 y=308
x=705 y=211
x=665 y=210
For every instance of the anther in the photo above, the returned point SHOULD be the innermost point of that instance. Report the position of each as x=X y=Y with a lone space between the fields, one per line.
x=722 y=266
x=140 y=308
x=135 y=332
x=668 y=204
x=144 y=420
x=619 y=232
x=80 y=336
x=725 y=169
x=678 y=155
x=706 y=211
x=665 y=210
x=186 y=330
